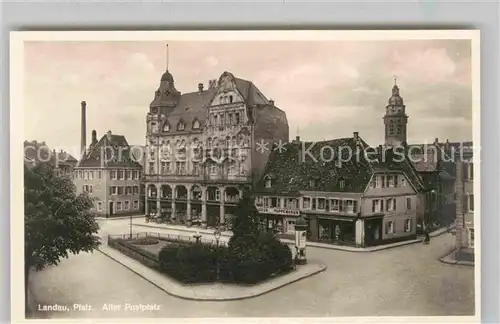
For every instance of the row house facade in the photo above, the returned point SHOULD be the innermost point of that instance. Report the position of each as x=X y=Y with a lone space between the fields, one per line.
x=353 y=201
x=464 y=187
x=109 y=173
x=201 y=148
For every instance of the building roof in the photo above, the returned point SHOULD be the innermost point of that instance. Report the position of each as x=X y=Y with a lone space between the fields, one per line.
x=110 y=151
x=291 y=170
x=35 y=152
x=250 y=92
x=191 y=106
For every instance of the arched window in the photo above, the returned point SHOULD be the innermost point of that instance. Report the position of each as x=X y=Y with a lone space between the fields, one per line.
x=181 y=126
x=196 y=124
x=209 y=143
x=166 y=127
x=230 y=99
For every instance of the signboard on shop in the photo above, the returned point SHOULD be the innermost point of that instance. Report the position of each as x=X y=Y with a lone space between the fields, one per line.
x=278 y=211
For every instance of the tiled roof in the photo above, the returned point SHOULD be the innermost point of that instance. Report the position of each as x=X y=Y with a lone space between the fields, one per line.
x=191 y=106
x=290 y=174
x=110 y=151
x=250 y=92
x=40 y=152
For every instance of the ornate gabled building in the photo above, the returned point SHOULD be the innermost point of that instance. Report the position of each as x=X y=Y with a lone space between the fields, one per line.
x=358 y=195
x=201 y=147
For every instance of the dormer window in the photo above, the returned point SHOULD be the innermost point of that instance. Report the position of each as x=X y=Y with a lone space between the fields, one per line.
x=181 y=126
x=268 y=183
x=153 y=127
x=312 y=183
x=196 y=124
x=166 y=127
x=342 y=183
x=230 y=99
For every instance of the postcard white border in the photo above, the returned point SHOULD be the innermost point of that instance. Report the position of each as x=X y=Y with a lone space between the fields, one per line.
x=17 y=40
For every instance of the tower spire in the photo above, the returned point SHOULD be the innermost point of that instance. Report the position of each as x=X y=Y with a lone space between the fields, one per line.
x=395 y=79
x=167 y=56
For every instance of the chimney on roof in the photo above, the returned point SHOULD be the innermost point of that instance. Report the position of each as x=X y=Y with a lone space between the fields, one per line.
x=297 y=139
x=355 y=135
x=108 y=135
x=271 y=102
x=212 y=84
x=200 y=87
x=436 y=141
x=84 y=128
x=94 y=137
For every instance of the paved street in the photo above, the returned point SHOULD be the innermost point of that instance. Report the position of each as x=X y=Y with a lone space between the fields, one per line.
x=406 y=281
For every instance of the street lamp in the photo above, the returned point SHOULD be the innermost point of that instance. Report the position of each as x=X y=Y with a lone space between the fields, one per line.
x=217 y=237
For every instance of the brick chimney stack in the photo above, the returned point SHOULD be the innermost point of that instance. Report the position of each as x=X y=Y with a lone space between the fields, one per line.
x=84 y=128
x=200 y=87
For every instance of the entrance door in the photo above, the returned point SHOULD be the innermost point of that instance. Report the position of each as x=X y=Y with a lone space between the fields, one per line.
x=111 y=208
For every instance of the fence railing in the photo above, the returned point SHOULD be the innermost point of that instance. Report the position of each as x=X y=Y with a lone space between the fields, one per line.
x=168 y=237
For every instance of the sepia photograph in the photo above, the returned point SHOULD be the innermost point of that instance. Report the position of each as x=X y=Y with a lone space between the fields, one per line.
x=246 y=174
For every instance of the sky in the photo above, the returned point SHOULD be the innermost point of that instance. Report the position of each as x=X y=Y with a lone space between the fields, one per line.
x=328 y=89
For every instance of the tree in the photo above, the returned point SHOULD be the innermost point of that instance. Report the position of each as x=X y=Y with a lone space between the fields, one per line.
x=244 y=221
x=57 y=221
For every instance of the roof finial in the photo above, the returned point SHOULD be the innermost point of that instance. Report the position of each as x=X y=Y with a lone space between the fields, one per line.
x=395 y=80
x=167 y=57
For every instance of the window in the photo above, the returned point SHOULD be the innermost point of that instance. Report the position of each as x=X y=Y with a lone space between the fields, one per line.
x=112 y=190
x=230 y=99
x=230 y=118
x=154 y=128
x=126 y=205
x=196 y=168
x=136 y=204
x=237 y=118
x=350 y=206
x=391 y=127
x=85 y=175
x=151 y=167
x=99 y=206
x=378 y=181
x=135 y=175
x=166 y=127
x=471 y=202
x=165 y=167
x=342 y=184
x=135 y=190
x=268 y=183
x=408 y=225
x=274 y=202
x=389 y=227
x=120 y=175
x=390 y=181
x=232 y=169
x=217 y=194
x=471 y=170
x=306 y=203
x=181 y=126
x=377 y=205
x=99 y=174
x=291 y=203
x=128 y=190
x=87 y=189
x=471 y=237
x=391 y=204
x=120 y=190
x=213 y=169
x=80 y=174
x=128 y=174
x=113 y=174
x=216 y=122
x=259 y=201
x=91 y=175
x=312 y=183
x=321 y=203
x=313 y=203
x=118 y=205
x=334 y=204
x=402 y=181
x=221 y=119
x=408 y=203
x=196 y=124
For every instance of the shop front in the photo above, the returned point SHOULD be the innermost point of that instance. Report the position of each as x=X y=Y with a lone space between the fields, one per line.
x=373 y=231
x=277 y=220
x=337 y=230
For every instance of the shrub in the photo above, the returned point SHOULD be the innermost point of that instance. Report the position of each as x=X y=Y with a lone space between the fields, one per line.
x=145 y=241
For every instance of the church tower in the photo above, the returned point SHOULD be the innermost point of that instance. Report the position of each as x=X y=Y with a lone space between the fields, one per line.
x=395 y=119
